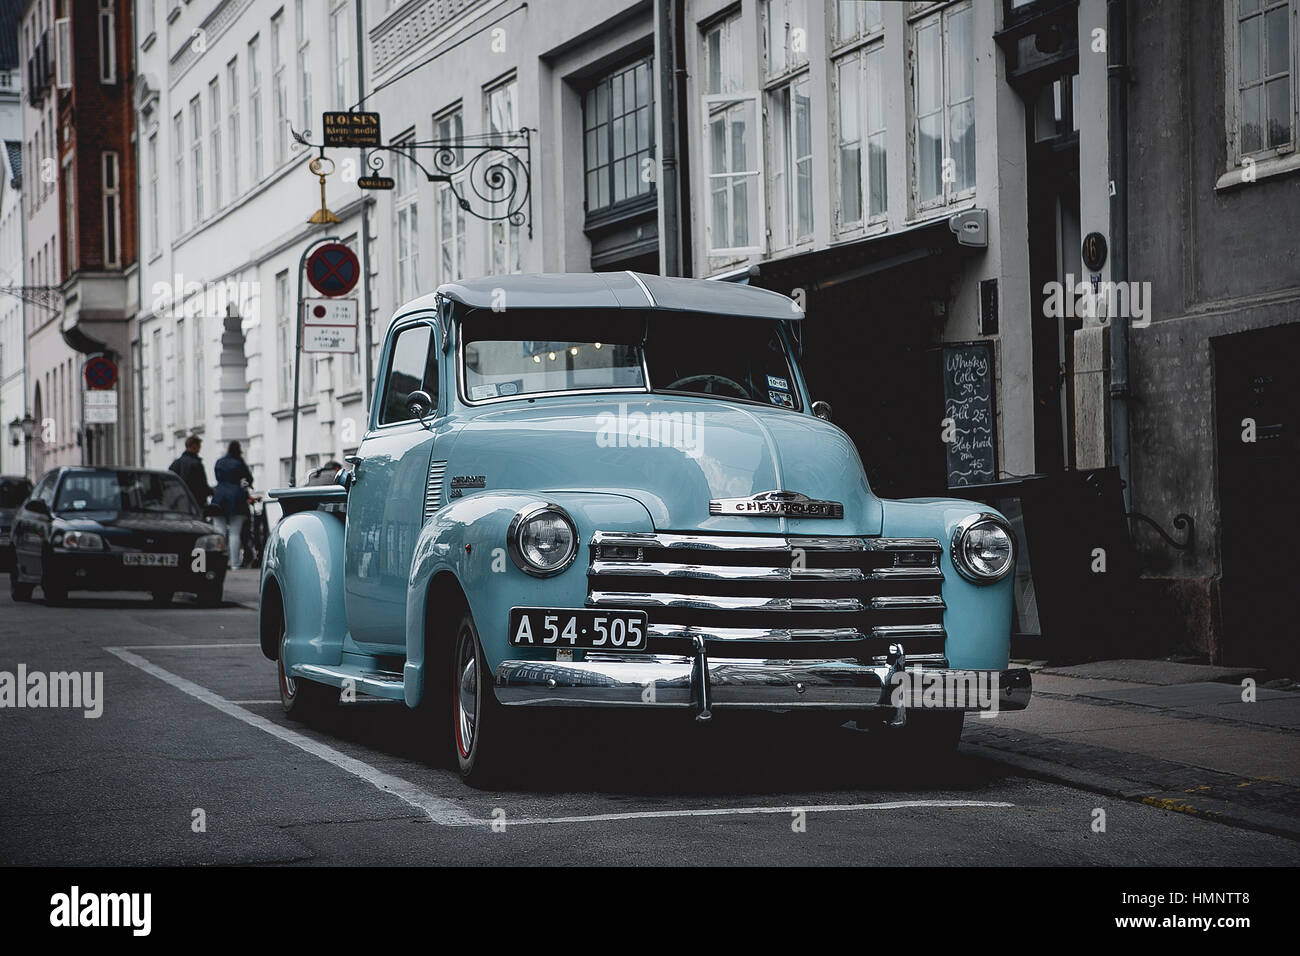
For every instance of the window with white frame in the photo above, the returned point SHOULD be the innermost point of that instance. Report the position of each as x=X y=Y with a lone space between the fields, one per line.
x=790 y=170
x=503 y=122
x=279 y=91
x=341 y=53
x=406 y=205
x=214 y=131
x=178 y=173
x=107 y=43
x=152 y=158
x=943 y=87
x=449 y=127
x=1262 y=53
x=254 y=110
x=618 y=133
x=285 y=338
x=860 y=156
x=180 y=360
x=304 y=66
x=786 y=34
x=196 y=156
x=200 y=371
x=732 y=166
x=451 y=234
x=70 y=213
x=156 y=363
x=855 y=19
x=112 y=192
x=232 y=125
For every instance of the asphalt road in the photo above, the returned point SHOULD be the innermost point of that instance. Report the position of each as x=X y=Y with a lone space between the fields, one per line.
x=191 y=722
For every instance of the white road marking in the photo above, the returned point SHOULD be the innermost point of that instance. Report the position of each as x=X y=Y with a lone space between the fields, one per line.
x=745 y=811
x=179 y=647
x=444 y=812
x=440 y=811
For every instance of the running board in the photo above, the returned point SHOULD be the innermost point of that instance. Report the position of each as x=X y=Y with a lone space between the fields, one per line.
x=373 y=683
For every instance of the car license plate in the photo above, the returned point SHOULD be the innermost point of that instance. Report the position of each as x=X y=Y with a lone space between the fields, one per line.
x=149 y=560
x=578 y=627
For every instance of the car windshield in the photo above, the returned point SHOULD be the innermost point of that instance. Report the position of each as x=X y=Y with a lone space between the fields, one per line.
x=139 y=491
x=726 y=358
x=14 y=491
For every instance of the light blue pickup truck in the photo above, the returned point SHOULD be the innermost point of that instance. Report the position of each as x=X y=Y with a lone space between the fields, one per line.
x=614 y=490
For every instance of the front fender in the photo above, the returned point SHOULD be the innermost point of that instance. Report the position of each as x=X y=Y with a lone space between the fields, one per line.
x=303 y=562
x=978 y=616
x=467 y=540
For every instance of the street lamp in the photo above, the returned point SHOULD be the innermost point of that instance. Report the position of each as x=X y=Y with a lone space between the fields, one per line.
x=16 y=432
x=21 y=432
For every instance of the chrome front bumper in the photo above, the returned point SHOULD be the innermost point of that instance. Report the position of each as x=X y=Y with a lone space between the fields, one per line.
x=701 y=683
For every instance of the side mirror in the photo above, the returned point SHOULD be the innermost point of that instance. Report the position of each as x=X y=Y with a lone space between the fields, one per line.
x=822 y=410
x=38 y=507
x=419 y=403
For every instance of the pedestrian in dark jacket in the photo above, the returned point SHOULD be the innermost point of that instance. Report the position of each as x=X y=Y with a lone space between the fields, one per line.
x=189 y=468
x=233 y=481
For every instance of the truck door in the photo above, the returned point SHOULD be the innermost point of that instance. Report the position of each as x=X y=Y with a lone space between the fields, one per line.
x=386 y=499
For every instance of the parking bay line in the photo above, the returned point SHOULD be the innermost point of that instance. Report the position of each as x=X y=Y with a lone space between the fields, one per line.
x=446 y=813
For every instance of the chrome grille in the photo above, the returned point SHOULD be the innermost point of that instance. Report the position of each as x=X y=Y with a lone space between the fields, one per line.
x=816 y=597
x=433 y=491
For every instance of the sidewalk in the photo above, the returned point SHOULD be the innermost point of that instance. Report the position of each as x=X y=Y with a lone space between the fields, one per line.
x=1174 y=735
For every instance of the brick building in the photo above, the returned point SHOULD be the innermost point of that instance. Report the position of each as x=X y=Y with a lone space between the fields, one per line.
x=80 y=243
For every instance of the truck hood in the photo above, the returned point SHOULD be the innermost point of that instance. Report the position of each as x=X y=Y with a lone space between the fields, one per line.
x=675 y=456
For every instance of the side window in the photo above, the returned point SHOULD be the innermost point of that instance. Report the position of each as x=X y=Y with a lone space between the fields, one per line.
x=45 y=490
x=414 y=365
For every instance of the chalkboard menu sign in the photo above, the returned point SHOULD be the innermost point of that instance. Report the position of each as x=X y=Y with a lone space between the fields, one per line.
x=968 y=427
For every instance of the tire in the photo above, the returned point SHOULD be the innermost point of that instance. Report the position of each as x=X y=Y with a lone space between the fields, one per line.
x=56 y=594
x=301 y=699
x=209 y=595
x=17 y=590
x=481 y=730
x=162 y=598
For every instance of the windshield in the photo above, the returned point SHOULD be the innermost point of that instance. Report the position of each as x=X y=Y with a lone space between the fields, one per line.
x=734 y=359
x=14 y=491
x=140 y=491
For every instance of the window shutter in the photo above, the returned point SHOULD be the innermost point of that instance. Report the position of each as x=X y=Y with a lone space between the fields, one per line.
x=63 y=54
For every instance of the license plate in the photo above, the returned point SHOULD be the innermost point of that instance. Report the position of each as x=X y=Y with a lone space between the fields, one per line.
x=149 y=560
x=578 y=627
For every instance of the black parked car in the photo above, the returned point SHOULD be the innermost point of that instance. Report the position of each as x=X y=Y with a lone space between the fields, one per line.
x=13 y=491
x=115 y=529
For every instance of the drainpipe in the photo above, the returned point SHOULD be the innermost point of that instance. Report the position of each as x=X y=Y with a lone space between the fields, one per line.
x=367 y=370
x=665 y=14
x=1117 y=78
x=683 y=137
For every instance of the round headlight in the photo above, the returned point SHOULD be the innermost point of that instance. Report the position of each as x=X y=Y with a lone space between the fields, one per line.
x=983 y=548
x=542 y=540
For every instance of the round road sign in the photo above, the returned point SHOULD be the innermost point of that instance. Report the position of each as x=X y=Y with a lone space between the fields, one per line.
x=333 y=269
x=100 y=372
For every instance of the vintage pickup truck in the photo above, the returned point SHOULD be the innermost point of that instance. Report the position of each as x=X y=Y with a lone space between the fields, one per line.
x=614 y=490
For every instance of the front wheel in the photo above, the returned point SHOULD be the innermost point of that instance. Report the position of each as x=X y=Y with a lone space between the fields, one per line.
x=481 y=729
x=302 y=699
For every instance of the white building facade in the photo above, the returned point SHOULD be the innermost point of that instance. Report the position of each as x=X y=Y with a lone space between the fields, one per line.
x=225 y=198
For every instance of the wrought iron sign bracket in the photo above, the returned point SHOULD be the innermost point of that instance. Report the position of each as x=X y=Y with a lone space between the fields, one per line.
x=490 y=175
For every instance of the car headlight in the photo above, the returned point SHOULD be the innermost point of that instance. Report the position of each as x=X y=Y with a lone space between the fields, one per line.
x=983 y=548
x=211 y=542
x=81 y=541
x=542 y=540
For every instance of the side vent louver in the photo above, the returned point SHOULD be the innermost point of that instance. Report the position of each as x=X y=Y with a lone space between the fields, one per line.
x=433 y=491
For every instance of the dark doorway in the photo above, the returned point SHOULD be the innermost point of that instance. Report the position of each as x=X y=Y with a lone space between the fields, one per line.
x=870 y=351
x=1052 y=183
x=1257 y=395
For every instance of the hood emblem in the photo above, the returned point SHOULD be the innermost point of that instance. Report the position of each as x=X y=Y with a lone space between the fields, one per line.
x=777 y=504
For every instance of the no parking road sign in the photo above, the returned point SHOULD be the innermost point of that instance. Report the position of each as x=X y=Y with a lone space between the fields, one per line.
x=333 y=269
x=100 y=372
